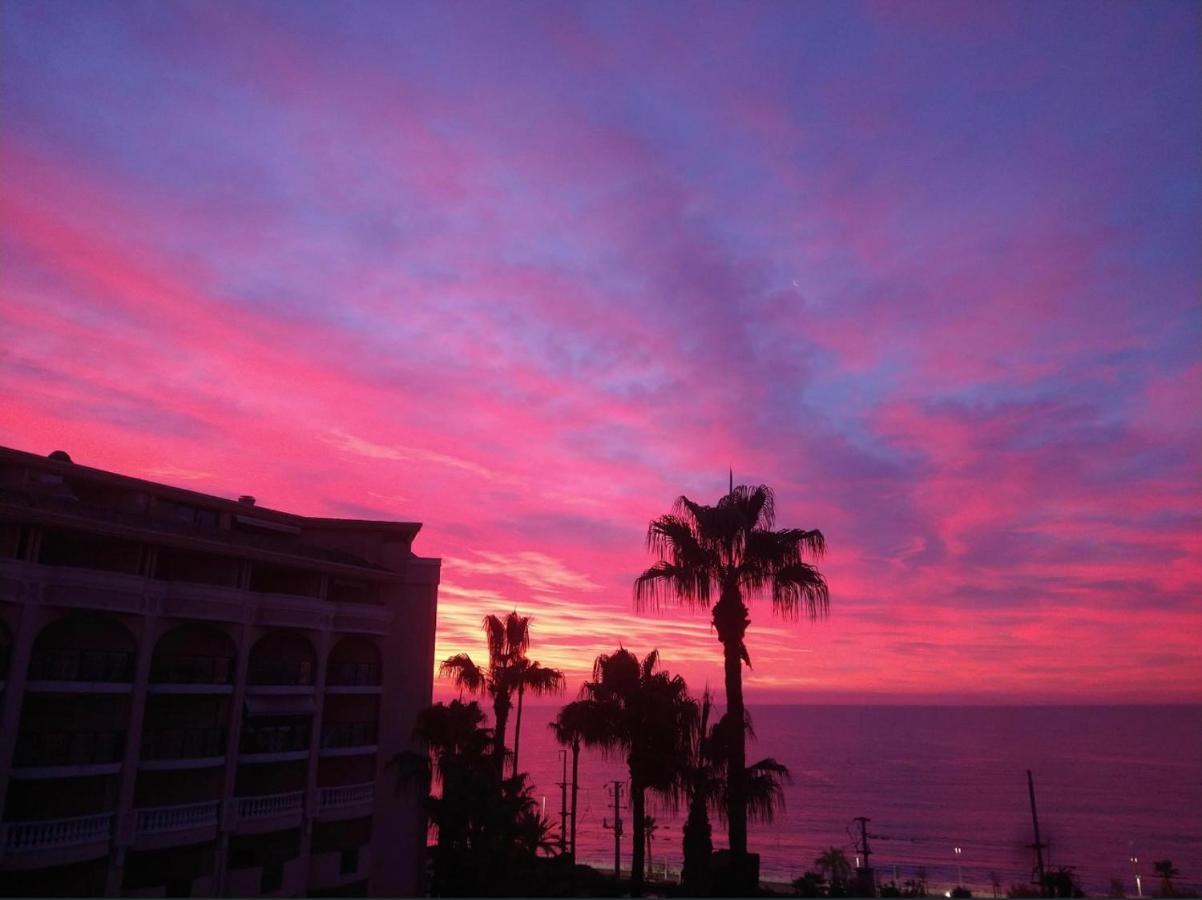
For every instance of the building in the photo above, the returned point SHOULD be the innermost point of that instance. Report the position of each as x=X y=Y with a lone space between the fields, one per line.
x=200 y=696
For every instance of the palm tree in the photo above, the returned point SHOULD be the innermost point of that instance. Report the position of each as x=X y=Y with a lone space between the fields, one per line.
x=529 y=675
x=577 y=723
x=1167 y=872
x=707 y=784
x=646 y=714
x=730 y=552
x=508 y=639
x=833 y=863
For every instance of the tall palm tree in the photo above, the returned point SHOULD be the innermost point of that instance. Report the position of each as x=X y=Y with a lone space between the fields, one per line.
x=530 y=675
x=646 y=714
x=578 y=723
x=729 y=552
x=508 y=639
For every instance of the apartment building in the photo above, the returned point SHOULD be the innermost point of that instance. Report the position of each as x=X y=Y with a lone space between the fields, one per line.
x=201 y=696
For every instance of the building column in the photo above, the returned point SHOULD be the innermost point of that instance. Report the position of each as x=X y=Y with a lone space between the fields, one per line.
x=325 y=640
x=32 y=619
x=228 y=813
x=123 y=832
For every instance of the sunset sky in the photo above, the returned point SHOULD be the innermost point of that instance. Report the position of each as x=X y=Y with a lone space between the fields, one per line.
x=527 y=272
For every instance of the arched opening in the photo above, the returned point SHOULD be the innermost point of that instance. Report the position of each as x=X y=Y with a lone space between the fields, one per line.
x=83 y=647
x=193 y=654
x=354 y=661
x=282 y=658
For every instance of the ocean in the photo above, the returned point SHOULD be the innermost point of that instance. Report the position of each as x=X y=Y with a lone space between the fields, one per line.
x=1111 y=783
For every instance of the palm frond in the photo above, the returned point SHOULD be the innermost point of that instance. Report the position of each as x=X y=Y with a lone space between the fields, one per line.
x=467 y=676
x=665 y=581
x=799 y=587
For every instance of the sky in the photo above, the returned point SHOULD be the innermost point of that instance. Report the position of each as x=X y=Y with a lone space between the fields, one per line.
x=527 y=272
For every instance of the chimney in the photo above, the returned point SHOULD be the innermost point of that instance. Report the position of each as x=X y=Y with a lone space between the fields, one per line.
x=246 y=500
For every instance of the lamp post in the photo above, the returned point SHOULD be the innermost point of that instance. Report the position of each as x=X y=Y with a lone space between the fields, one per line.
x=959 y=869
x=1139 y=888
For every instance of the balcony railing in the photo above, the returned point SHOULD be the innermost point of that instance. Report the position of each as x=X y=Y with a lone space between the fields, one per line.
x=70 y=664
x=270 y=805
x=353 y=674
x=193 y=670
x=347 y=795
x=280 y=672
x=160 y=819
x=183 y=743
x=69 y=748
x=275 y=738
x=42 y=835
x=348 y=734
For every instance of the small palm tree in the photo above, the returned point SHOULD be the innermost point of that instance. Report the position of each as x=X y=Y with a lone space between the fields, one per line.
x=646 y=714
x=577 y=724
x=833 y=863
x=508 y=639
x=730 y=552
x=529 y=675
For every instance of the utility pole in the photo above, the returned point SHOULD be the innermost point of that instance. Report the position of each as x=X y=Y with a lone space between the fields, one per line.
x=617 y=828
x=563 y=805
x=1038 y=845
x=864 y=839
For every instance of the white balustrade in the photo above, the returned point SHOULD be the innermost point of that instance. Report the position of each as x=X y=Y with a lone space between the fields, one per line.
x=347 y=795
x=49 y=833
x=270 y=805
x=159 y=819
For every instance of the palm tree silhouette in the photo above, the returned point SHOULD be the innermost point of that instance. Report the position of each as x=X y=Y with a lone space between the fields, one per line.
x=730 y=552
x=529 y=675
x=578 y=723
x=508 y=640
x=833 y=863
x=646 y=714
x=706 y=786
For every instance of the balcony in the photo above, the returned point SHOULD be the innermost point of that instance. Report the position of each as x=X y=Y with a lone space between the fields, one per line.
x=274 y=743
x=270 y=812
x=353 y=678
x=189 y=674
x=60 y=754
x=54 y=833
x=165 y=819
x=346 y=800
x=279 y=676
x=348 y=738
x=71 y=670
x=183 y=748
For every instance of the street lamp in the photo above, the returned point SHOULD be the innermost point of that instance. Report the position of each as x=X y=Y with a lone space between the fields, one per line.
x=959 y=870
x=1139 y=888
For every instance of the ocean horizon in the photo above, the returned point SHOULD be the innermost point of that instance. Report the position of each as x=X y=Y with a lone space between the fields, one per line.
x=1112 y=782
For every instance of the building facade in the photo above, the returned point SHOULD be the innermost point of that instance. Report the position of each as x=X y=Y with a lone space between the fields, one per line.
x=200 y=696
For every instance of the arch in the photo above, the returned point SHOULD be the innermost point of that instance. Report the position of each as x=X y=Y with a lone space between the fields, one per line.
x=282 y=658
x=83 y=647
x=194 y=653
x=354 y=661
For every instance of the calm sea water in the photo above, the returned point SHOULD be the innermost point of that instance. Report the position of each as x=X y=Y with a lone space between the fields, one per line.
x=1110 y=782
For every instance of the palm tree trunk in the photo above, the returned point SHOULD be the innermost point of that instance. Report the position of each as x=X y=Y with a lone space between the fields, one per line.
x=731 y=621
x=638 y=840
x=517 y=730
x=500 y=708
x=575 y=787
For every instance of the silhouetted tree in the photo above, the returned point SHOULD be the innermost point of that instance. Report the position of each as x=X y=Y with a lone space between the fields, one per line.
x=832 y=863
x=529 y=675
x=488 y=829
x=647 y=715
x=729 y=552
x=1167 y=872
x=508 y=639
x=578 y=723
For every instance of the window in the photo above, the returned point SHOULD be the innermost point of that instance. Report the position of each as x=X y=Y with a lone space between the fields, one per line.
x=349 y=863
